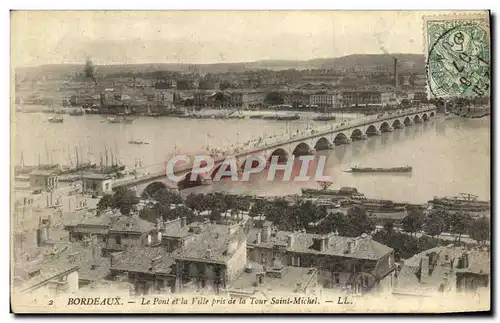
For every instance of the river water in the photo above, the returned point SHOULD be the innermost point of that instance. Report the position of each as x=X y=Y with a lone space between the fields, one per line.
x=449 y=155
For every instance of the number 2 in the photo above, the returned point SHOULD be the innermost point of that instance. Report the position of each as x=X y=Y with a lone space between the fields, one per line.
x=51 y=302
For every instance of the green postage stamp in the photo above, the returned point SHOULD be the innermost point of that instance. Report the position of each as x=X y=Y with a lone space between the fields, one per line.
x=458 y=56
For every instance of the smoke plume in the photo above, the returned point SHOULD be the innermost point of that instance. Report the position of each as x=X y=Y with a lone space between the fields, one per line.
x=89 y=70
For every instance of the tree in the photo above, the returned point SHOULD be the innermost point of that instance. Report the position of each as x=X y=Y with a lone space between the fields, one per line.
x=356 y=223
x=274 y=98
x=104 y=203
x=125 y=200
x=389 y=226
x=215 y=216
x=196 y=202
x=414 y=221
x=183 y=211
x=480 y=230
x=257 y=209
x=461 y=222
x=434 y=226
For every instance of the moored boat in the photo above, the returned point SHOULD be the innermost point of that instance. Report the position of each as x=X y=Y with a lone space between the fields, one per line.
x=324 y=118
x=56 y=119
x=462 y=202
x=405 y=169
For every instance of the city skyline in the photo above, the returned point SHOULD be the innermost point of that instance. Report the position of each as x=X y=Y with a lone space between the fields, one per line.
x=195 y=37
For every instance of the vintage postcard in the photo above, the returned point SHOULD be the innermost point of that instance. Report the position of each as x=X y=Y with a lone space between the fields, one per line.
x=250 y=162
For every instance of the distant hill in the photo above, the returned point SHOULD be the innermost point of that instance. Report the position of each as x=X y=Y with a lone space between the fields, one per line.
x=362 y=61
x=406 y=62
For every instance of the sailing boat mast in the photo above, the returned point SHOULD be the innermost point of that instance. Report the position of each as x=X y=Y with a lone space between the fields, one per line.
x=46 y=152
x=106 y=150
x=22 y=159
x=77 y=160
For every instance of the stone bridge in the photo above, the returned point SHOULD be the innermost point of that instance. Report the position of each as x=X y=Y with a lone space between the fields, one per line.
x=286 y=146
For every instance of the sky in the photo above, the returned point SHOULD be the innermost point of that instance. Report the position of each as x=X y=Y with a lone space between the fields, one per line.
x=132 y=37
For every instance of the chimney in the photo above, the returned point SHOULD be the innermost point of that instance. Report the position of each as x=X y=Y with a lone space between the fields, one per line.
x=259 y=237
x=266 y=231
x=424 y=268
x=183 y=221
x=158 y=224
x=395 y=74
x=149 y=240
x=260 y=279
x=350 y=246
x=209 y=253
x=159 y=236
x=290 y=240
x=324 y=243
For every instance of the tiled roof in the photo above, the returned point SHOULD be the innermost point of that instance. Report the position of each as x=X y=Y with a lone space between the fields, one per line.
x=144 y=260
x=174 y=229
x=408 y=282
x=362 y=248
x=132 y=224
x=210 y=244
x=288 y=281
x=91 y=218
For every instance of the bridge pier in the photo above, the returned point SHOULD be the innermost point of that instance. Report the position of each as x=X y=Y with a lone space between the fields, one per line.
x=390 y=129
x=363 y=137
x=409 y=123
x=398 y=126
x=312 y=151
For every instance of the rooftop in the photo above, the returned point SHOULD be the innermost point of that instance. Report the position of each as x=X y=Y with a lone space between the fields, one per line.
x=443 y=262
x=59 y=258
x=210 y=242
x=144 y=260
x=286 y=279
x=362 y=247
x=131 y=223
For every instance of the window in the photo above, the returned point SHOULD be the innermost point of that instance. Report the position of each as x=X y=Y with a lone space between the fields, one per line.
x=296 y=261
x=118 y=240
x=446 y=257
x=336 y=278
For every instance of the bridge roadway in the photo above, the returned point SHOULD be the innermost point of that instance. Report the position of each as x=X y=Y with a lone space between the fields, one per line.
x=284 y=144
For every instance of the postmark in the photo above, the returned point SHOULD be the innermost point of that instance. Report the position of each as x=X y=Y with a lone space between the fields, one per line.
x=458 y=56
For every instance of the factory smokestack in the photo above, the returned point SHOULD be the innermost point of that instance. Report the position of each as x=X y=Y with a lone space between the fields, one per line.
x=395 y=74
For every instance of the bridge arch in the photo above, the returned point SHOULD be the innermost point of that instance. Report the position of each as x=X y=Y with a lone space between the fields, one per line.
x=407 y=121
x=396 y=124
x=301 y=149
x=281 y=153
x=385 y=127
x=152 y=188
x=322 y=144
x=187 y=182
x=227 y=167
x=371 y=130
x=425 y=117
x=340 y=139
x=432 y=114
x=417 y=119
x=356 y=134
